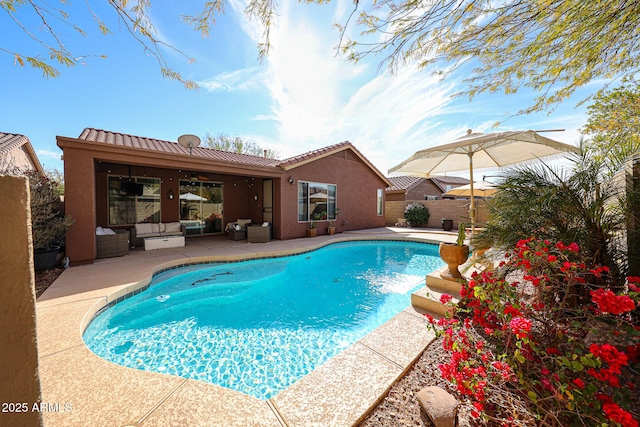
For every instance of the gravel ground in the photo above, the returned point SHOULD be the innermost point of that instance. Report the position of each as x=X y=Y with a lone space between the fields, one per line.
x=400 y=407
x=46 y=278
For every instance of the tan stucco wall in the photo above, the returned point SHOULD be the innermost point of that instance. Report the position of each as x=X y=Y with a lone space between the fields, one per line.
x=19 y=381
x=457 y=210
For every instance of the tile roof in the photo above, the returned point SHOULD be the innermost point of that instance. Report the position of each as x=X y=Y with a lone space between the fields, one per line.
x=404 y=182
x=315 y=153
x=124 y=140
x=9 y=141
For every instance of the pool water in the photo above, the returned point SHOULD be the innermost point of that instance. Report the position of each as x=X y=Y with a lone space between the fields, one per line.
x=258 y=326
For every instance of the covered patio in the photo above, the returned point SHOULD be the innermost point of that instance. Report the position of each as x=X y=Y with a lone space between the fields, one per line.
x=116 y=180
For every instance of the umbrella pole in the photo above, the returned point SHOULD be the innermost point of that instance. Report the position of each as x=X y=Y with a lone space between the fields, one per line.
x=472 y=207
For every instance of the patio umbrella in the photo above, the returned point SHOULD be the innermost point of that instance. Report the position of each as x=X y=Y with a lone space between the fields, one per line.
x=482 y=189
x=191 y=197
x=478 y=150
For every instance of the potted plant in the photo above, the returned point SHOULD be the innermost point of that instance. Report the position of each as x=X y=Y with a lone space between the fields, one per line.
x=48 y=225
x=334 y=217
x=454 y=255
x=312 y=231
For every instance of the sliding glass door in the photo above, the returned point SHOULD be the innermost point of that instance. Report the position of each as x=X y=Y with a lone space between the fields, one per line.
x=201 y=207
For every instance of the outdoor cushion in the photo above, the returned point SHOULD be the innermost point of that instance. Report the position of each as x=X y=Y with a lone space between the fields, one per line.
x=244 y=222
x=172 y=227
x=265 y=224
x=145 y=228
x=108 y=231
x=99 y=231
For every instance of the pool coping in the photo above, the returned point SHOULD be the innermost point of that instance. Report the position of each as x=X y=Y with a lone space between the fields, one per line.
x=340 y=392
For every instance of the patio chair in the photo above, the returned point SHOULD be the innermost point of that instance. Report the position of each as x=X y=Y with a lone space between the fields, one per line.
x=112 y=245
x=259 y=233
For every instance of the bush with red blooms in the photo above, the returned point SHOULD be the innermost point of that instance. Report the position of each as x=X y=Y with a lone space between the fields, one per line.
x=525 y=349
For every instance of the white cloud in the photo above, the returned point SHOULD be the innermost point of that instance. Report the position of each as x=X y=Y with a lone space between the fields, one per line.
x=55 y=155
x=234 y=81
x=319 y=100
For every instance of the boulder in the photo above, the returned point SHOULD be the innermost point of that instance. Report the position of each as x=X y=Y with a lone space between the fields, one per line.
x=440 y=406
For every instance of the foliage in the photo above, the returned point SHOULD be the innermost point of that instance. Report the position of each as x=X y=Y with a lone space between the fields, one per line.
x=461 y=234
x=237 y=144
x=554 y=46
x=416 y=214
x=48 y=226
x=614 y=122
x=334 y=216
x=57 y=179
x=523 y=353
x=589 y=205
x=315 y=218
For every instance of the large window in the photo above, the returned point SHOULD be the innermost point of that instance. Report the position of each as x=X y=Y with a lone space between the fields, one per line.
x=133 y=200
x=316 y=201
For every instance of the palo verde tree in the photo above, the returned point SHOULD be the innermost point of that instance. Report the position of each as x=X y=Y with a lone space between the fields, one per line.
x=613 y=126
x=554 y=47
x=237 y=144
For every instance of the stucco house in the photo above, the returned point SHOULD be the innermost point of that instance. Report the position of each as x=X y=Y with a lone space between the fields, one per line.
x=117 y=180
x=418 y=188
x=16 y=151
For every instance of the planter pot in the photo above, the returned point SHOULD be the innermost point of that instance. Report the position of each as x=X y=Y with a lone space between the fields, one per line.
x=312 y=232
x=332 y=230
x=454 y=256
x=447 y=224
x=45 y=259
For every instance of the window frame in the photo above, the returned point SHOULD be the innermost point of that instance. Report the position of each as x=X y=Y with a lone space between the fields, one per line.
x=133 y=199
x=330 y=216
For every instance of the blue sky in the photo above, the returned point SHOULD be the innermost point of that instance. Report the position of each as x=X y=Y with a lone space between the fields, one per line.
x=302 y=97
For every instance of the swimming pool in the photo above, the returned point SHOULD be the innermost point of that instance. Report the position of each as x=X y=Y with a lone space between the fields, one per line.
x=258 y=326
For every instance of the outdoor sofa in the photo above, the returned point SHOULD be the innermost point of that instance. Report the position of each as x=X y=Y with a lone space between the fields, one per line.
x=257 y=233
x=157 y=229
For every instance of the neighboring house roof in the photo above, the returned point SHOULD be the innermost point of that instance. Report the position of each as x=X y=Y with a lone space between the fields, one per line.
x=11 y=141
x=453 y=181
x=403 y=183
x=124 y=140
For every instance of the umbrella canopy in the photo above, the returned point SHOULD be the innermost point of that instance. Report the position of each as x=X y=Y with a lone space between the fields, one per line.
x=191 y=197
x=482 y=189
x=478 y=150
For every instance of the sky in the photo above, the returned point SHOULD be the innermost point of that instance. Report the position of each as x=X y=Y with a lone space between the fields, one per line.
x=300 y=98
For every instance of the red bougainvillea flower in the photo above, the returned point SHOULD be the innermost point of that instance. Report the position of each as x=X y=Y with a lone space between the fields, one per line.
x=578 y=382
x=608 y=302
x=445 y=298
x=618 y=415
x=520 y=326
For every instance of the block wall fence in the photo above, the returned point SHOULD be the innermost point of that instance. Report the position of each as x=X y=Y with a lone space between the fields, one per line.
x=457 y=210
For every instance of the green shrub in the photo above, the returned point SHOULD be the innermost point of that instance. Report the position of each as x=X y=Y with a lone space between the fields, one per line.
x=416 y=214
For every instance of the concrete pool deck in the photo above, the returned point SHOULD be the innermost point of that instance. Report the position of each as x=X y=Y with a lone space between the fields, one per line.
x=101 y=393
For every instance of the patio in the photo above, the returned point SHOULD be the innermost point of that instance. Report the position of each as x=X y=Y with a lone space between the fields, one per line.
x=339 y=393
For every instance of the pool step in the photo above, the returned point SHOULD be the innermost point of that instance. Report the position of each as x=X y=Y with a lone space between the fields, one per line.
x=428 y=298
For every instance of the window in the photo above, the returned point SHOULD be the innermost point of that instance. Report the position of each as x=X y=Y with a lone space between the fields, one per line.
x=316 y=201
x=379 y=203
x=133 y=200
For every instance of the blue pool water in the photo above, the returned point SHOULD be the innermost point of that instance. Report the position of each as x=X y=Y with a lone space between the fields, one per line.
x=258 y=326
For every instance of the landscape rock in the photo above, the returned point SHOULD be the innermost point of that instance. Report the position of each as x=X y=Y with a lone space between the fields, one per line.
x=440 y=406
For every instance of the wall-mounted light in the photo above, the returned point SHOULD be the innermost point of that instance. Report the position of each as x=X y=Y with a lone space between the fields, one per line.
x=255 y=196
x=170 y=195
x=290 y=180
